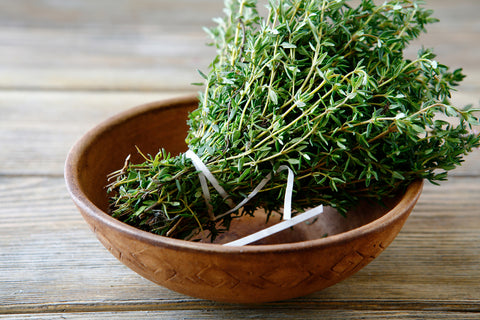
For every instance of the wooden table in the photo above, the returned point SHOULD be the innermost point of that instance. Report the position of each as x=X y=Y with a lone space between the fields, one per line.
x=67 y=65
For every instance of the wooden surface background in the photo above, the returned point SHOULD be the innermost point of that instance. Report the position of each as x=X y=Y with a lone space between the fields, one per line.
x=67 y=65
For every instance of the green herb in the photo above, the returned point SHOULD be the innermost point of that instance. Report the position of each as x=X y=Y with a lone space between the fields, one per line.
x=316 y=85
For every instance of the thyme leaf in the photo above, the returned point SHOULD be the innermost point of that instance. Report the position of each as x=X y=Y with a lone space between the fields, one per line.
x=317 y=85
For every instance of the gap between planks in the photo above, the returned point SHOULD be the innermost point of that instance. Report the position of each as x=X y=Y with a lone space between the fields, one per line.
x=471 y=306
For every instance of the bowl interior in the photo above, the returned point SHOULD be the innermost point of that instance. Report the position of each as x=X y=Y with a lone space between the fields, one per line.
x=163 y=125
x=104 y=149
x=329 y=223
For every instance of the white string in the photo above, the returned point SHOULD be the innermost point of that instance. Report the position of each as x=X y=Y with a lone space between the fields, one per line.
x=276 y=228
x=287 y=205
x=204 y=174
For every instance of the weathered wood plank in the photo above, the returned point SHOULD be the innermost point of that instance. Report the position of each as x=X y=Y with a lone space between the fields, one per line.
x=253 y=314
x=74 y=14
x=148 y=45
x=77 y=61
x=50 y=261
x=105 y=45
x=267 y=313
x=37 y=129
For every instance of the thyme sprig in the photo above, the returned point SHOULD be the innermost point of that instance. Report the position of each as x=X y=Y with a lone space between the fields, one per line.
x=319 y=86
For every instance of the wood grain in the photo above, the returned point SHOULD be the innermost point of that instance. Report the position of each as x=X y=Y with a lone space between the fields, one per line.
x=253 y=314
x=105 y=45
x=146 y=46
x=38 y=129
x=54 y=262
x=67 y=65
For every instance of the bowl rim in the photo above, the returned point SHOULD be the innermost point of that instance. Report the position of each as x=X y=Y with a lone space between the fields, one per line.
x=86 y=206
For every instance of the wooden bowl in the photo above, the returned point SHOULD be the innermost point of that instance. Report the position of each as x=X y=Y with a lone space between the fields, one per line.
x=291 y=264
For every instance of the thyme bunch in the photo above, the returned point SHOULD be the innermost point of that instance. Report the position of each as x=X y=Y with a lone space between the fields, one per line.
x=317 y=85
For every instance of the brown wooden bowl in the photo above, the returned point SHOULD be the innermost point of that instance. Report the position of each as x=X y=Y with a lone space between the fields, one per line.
x=291 y=264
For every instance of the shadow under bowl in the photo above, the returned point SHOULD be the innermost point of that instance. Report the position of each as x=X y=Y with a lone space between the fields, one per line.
x=290 y=264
